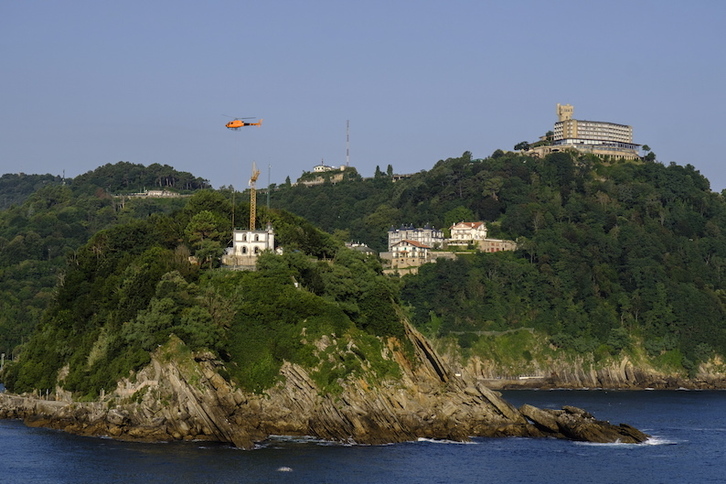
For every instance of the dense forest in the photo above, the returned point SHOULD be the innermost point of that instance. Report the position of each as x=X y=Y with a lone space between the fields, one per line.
x=124 y=291
x=611 y=255
x=133 y=285
x=15 y=188
x=45 y=219
x=125 y=177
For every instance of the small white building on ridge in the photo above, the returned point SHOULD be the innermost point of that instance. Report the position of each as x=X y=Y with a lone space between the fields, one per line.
x=247 y=245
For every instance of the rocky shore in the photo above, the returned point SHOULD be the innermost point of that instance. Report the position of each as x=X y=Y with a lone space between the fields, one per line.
x=187 y=399
x=620 y=373
x=557 y=382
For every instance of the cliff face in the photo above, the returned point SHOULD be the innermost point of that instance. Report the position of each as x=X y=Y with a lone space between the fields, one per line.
x=618 y=373
x=184 y=397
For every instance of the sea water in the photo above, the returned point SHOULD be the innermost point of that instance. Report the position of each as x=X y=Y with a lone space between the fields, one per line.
x=688 y=445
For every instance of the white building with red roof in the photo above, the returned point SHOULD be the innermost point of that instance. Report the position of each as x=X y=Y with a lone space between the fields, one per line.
x=410 y=249
x=465 y=233
x=406 y=256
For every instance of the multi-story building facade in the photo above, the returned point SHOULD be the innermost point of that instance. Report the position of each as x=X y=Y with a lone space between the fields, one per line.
x=464 y=233
x=568 y=128
x=409 y=247
x=410 y=252
x=426 y=235
x=406 y=256
x=596 y=137
x=475 y=234
x=247 y=245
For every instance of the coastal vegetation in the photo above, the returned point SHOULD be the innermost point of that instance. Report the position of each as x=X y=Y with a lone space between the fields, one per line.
x=611 y=255
x=45 y=219
x=614 y=259
x=131 y=286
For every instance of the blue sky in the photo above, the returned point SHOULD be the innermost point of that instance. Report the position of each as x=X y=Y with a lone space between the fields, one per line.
x=86 y=83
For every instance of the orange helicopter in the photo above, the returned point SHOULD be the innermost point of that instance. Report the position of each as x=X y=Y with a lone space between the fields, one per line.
x=237 y=123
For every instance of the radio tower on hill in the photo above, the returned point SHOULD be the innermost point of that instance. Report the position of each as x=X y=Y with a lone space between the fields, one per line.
x=347 y=143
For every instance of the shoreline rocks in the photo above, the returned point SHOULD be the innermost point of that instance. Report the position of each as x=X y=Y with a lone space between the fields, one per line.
x=349 y=425
x=185 y=398
x=654 y=383
x=577 y=424
x=617 y=374
x=363 y=416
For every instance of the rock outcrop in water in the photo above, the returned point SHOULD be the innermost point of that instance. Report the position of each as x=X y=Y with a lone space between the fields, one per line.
x=577 y=424
x=186 y=398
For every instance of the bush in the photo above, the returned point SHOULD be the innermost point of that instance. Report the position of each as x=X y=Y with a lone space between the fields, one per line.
x=619 y=339
x=467 y=340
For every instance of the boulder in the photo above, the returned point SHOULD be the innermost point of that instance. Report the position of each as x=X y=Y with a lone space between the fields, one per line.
x=577 y=424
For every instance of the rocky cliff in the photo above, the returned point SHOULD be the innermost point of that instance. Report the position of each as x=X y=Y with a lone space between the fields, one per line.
x=182 y=396
x=620 y=373
x=547 y=369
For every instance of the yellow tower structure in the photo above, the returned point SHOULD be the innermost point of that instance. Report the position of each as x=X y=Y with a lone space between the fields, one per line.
x=253 y=195
x=564 y=112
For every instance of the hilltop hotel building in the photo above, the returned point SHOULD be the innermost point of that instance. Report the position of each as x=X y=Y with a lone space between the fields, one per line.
x=596 y=137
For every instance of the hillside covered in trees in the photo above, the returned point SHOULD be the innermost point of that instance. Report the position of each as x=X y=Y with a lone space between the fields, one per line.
x=612 y=257
x=132 y=285
x=610 y=253
x=44 y=219
x=91 y=283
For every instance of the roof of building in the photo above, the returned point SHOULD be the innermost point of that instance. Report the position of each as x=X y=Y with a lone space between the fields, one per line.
x=598 y=122
x=471 y=225
x=414 y=243
x=411 y=227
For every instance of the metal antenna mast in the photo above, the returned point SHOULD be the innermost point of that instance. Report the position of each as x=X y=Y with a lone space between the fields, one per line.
x=347 y=143
x=269 y=167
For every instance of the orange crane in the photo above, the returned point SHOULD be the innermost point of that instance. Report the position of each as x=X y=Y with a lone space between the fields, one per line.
x=253 y=195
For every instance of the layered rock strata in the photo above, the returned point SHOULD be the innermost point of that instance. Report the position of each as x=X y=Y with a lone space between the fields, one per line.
x=186 y=398
x=621 y=374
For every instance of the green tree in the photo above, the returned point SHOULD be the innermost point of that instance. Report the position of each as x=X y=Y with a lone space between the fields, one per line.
x=458 y=214
x=206 y=232
x=492 y=187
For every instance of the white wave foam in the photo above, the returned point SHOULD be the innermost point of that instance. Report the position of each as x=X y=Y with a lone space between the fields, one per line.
x=298 y=439
x=654 y=440
x=444 y=441
x=607 y=444
x=284 y=469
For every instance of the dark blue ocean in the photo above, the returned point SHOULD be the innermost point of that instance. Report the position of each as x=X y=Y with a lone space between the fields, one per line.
x=688 y=446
